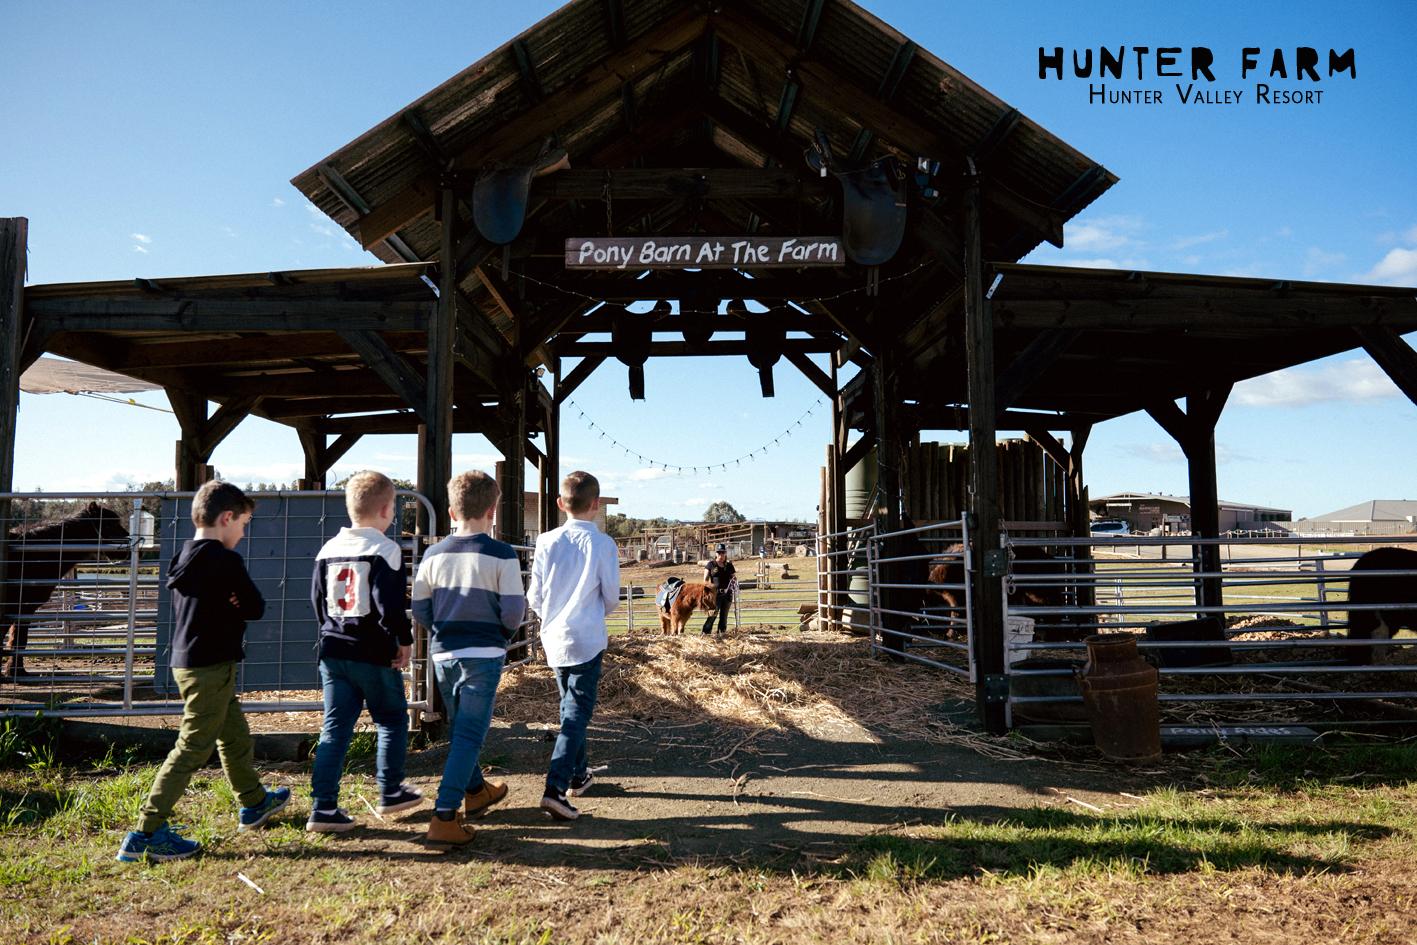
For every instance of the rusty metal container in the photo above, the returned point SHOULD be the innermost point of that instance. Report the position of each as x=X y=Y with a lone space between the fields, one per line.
x=1119 y=688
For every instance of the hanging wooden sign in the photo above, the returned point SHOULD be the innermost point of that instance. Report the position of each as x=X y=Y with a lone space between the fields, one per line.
x=703 y=252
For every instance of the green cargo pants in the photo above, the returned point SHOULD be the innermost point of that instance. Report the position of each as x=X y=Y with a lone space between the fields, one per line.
x=211 y=718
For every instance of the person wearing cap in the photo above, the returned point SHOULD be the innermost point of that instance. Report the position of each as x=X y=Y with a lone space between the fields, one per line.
x=719 y=573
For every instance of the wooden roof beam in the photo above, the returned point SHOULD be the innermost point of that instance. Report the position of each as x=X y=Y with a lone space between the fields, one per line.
x=1244 y=315
x=384 y=361
x=887 y=122
x=682 y=349
x=521 y=131
x=166 y=315
x=1394 y=356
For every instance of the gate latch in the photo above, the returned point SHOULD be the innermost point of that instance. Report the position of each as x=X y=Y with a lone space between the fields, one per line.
x=996 y=563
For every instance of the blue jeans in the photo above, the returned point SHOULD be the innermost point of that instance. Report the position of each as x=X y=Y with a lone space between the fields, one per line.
x=349 y=686
x=469 y=688
x=578 y=686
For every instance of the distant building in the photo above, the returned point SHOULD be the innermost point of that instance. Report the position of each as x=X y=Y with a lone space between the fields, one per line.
x=1144 y=511
x=530 y=510
x=1374 y=517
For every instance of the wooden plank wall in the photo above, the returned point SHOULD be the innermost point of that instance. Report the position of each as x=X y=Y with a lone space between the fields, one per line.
x=1031 y=484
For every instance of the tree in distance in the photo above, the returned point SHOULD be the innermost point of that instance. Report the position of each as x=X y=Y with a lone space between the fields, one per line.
x=722 y=513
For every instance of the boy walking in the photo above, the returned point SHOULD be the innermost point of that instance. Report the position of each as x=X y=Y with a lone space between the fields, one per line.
x=468 y=592
x=358 y=592
x=212 y=598
x=575 y=584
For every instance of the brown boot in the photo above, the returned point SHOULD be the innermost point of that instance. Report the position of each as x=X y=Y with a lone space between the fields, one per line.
x=449 y=832
x=477 y=802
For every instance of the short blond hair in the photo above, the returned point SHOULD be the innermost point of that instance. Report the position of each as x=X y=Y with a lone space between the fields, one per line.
x=366 y=493
x=578 y=491
x=472 y=494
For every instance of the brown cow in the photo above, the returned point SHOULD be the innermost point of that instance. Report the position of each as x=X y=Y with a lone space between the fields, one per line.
x=691 y=597
x=1037 y=562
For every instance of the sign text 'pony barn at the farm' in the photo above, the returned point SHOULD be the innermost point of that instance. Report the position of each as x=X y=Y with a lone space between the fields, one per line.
x=703 y=252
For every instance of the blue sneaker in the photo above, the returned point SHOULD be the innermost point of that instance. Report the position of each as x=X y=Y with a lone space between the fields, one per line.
x=161 y=845
x=253 y=817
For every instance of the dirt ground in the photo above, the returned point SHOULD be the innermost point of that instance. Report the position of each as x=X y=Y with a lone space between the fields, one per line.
x=761 y=788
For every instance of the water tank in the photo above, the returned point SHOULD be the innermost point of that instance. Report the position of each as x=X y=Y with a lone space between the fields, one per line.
x=860 y=487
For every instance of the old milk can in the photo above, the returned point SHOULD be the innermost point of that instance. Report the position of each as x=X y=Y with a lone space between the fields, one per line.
x=1119 y=689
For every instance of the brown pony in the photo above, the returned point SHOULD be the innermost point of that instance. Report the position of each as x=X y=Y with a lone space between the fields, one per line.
x=37 y=560
x=691 y=597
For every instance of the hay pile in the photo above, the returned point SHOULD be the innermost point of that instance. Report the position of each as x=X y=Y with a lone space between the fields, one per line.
x=820 y=684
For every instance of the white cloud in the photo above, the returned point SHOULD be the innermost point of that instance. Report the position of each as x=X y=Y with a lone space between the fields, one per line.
x=396 y=457
x=277 y=202
x=1164 y=452
x=315 y=211
x=1186 y=242
x=1102 y=233
x=1102 y=262
x=1351 y=381
x=229 y=231
x=650 y=473
x=489 y=460
x=141 y=237
x=138 y=248
x=1284 y=232
x=1316 y=261
x=1398 y=267
x=696 y=502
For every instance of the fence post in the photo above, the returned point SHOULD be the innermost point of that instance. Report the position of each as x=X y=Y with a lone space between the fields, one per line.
x=1323 y=593
x=135 y=523
x=873 y=592
x=630 y=608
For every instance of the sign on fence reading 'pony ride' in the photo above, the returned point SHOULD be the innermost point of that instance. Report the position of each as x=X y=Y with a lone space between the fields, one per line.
x=703 y=252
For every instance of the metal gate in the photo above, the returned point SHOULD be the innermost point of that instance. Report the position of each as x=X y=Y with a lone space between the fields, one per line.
x=98 y=644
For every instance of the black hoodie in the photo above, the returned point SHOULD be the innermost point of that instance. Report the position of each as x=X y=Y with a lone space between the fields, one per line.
x=207 y=626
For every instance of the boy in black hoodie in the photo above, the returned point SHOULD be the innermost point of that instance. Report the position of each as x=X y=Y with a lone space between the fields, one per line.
x=212 y=598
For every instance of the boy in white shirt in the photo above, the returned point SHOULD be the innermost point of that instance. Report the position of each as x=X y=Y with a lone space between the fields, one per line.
x=575 y=584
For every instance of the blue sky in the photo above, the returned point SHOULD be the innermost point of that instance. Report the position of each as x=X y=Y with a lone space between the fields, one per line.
x=158 y=139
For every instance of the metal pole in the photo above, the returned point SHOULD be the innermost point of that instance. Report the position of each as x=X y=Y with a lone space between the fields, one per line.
x=135 y=521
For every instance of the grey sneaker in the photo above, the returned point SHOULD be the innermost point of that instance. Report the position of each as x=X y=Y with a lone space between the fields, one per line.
x=580 y=785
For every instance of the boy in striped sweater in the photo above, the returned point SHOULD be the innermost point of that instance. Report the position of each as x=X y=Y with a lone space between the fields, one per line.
x=358 y=591
x=468 y=592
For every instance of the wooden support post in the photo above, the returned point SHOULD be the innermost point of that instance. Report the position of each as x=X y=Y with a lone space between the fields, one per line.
x=321 y=455
x=1075 y=509
x=990 y=563
x=436 y=434
x=511 y=472
x=14 y=235
x=1194 y=431
x=549 y=470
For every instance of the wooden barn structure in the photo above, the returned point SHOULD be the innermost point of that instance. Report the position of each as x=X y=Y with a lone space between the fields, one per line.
x=690 y=119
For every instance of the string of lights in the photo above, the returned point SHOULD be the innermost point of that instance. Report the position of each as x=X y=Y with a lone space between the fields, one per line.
x=705 y=467
x=747 y=293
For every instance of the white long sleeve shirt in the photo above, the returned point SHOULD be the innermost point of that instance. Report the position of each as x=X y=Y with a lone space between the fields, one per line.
x=575 y=584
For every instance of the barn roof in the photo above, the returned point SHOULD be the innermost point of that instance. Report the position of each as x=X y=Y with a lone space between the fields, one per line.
x=1374 y=510
x=730 y=84
x=1099 y=343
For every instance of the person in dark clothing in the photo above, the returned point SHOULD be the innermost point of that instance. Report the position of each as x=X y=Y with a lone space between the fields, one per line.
x=358 y=591
x=719 y=572
x=212 y=598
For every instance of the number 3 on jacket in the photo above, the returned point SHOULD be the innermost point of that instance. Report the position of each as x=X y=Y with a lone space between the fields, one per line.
x=347 y=589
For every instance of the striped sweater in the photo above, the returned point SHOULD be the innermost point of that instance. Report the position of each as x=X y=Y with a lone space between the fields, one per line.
x=469 y=593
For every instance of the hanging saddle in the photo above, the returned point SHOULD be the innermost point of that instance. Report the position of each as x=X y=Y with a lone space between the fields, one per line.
x=632 y=335
x=499 y=196
x=873 y=199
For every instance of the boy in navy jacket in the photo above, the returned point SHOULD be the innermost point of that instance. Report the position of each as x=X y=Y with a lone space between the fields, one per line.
x=468 y=592
x=358 y=591
x=212 y=598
